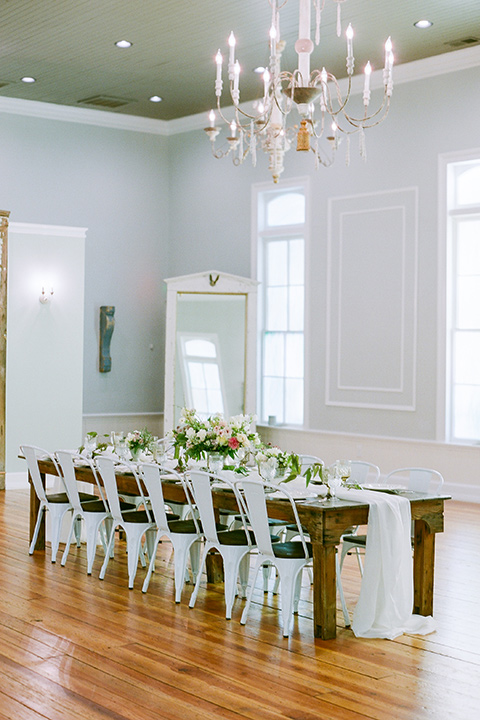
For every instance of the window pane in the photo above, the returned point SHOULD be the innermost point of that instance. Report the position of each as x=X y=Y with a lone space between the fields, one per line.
x=293 y=402
x=200 y=348
x=273 y=399
x=273 y=363
x=286 y=209
x=197 y=378
x=199 y=398
x=215 y=401
x=297 y=262
x=212 y=376
x=468 y=186
x=294 y=355
x=295 y=308
x=468 y=247
x=466 y=412
x=468 y=303
x=277 y=263
x=277 y=309
x=467 y=358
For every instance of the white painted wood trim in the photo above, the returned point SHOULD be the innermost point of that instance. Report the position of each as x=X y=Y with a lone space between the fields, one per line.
x=51 y=230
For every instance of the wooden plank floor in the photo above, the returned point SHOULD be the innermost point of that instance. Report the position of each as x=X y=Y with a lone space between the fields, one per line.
x=75 y=648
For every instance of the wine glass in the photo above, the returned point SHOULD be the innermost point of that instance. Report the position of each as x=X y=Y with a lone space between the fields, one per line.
x=344 y=469
x=122 y=449
x=267 y=469
x=334 y=480
x=159 y=451
x=90 y=445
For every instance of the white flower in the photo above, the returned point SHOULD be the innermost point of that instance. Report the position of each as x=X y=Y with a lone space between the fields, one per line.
x=190 y=433
x=201 y=435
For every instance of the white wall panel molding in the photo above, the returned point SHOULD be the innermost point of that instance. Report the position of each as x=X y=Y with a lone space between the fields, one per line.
x=371 y=300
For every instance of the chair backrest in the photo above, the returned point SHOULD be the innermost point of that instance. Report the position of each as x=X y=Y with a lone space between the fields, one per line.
x=151 y=474
x=66 y=460
x=200 y=485
x=256 y=500
x=417 y=479
x=108 y=469
x=362 y=472
x=32 y=455
x=307 y=461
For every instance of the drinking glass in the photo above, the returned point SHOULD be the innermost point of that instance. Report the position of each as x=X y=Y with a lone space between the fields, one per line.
x=334 y=480
x=159 y=451
x=344 y=469
x=122 y=449
x=268 y=469
x=215 y=462
x=90 y=445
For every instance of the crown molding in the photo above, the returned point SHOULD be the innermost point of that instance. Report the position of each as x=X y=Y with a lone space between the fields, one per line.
x=454 y=61
x=51 y=230
x=84 y=116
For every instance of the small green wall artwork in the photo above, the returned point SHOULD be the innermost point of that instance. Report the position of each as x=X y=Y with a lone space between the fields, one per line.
x=107 y=324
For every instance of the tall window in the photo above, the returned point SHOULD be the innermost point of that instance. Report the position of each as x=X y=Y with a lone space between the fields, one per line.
x=281 y=255
x=463 y=376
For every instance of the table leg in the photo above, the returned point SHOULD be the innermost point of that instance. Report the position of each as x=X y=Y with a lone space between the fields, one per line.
x=423 y=569
x=324 y=591
x=34 y=508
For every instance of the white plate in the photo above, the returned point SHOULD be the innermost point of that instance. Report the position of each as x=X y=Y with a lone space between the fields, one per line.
x=383 y=487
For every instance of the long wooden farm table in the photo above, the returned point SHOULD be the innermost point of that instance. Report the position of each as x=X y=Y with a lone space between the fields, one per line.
x=325 y=522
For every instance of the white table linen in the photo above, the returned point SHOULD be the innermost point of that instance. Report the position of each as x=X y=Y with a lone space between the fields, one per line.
x=384 y=607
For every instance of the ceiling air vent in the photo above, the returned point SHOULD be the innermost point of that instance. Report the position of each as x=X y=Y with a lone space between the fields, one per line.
x=464 y=42
x=105 y=101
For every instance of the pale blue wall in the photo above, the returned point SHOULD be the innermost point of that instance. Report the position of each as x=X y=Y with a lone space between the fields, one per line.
x=115 y=183
x=157 y=207
x=211 y=224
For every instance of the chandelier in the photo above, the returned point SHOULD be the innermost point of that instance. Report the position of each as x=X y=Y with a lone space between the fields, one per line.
x=314 y=94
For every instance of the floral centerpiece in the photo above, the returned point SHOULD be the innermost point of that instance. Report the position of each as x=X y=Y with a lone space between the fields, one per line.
x=272 y=461
x=139 y=441
x=196 y=437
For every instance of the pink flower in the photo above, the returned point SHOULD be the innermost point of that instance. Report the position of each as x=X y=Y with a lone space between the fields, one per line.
x=233 y=443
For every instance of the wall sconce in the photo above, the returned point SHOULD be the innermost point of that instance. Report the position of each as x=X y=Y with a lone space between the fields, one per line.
x=45 y=296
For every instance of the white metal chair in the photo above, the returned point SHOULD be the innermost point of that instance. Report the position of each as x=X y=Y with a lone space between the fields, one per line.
x=233 y=545
x=135 y=523
x=92 y=512
x=185 y=535
x=57 y=504
x=416 y=479
x=289 y=558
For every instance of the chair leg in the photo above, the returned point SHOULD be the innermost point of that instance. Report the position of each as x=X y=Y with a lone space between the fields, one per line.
x=33 y=543
x=109 y=552
x=55 y=527
x=69 y=540
x=246 y=609
x=194 y=594
x=151 y=564
x=195 y=549
x=346 y=615
x=243 y=573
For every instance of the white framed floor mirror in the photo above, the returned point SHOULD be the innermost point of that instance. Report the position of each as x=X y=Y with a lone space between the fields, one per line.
x=210 y=348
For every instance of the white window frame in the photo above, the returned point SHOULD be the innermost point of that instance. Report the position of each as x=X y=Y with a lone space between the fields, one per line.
x=258 y=234
x=446 y=291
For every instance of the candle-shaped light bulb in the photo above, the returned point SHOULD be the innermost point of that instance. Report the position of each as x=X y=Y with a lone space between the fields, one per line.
x=334 y=128
x=368 y=72
x=219 y=61
x=233 y=128
x=349 y=34
x=231 y=43
x=261 y=108
x=390 y=60
x=266 y=82
x=324 y=76
x=388 y=50
x=211 y=118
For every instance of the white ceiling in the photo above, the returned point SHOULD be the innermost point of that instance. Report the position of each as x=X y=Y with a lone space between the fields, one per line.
x=68 y=46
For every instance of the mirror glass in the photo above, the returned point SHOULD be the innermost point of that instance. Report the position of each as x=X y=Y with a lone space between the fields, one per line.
x=210 y=353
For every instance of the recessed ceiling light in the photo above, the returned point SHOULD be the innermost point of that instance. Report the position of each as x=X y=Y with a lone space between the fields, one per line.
x=28 y=79
x=155 y=98
x=123 y=43
x=423 y=24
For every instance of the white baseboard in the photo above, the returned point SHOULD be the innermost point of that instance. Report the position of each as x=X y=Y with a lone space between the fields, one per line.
x=16 y=481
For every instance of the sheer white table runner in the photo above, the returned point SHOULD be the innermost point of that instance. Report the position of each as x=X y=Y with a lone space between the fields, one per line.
x=384 y=607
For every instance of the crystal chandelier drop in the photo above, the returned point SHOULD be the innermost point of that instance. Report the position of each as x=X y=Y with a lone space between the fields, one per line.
x=314 y=94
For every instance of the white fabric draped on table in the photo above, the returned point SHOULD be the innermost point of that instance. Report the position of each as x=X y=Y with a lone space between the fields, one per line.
x=384 y=607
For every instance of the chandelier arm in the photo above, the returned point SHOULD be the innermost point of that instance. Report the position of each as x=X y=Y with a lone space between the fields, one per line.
x=365 y=122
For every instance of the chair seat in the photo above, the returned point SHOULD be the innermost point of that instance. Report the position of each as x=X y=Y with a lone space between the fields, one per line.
x=136 y=516
x=235 y=537
x=59 y=498
x=291 y=549
x=188 y=526
x=355 y=539
x=272 y=522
